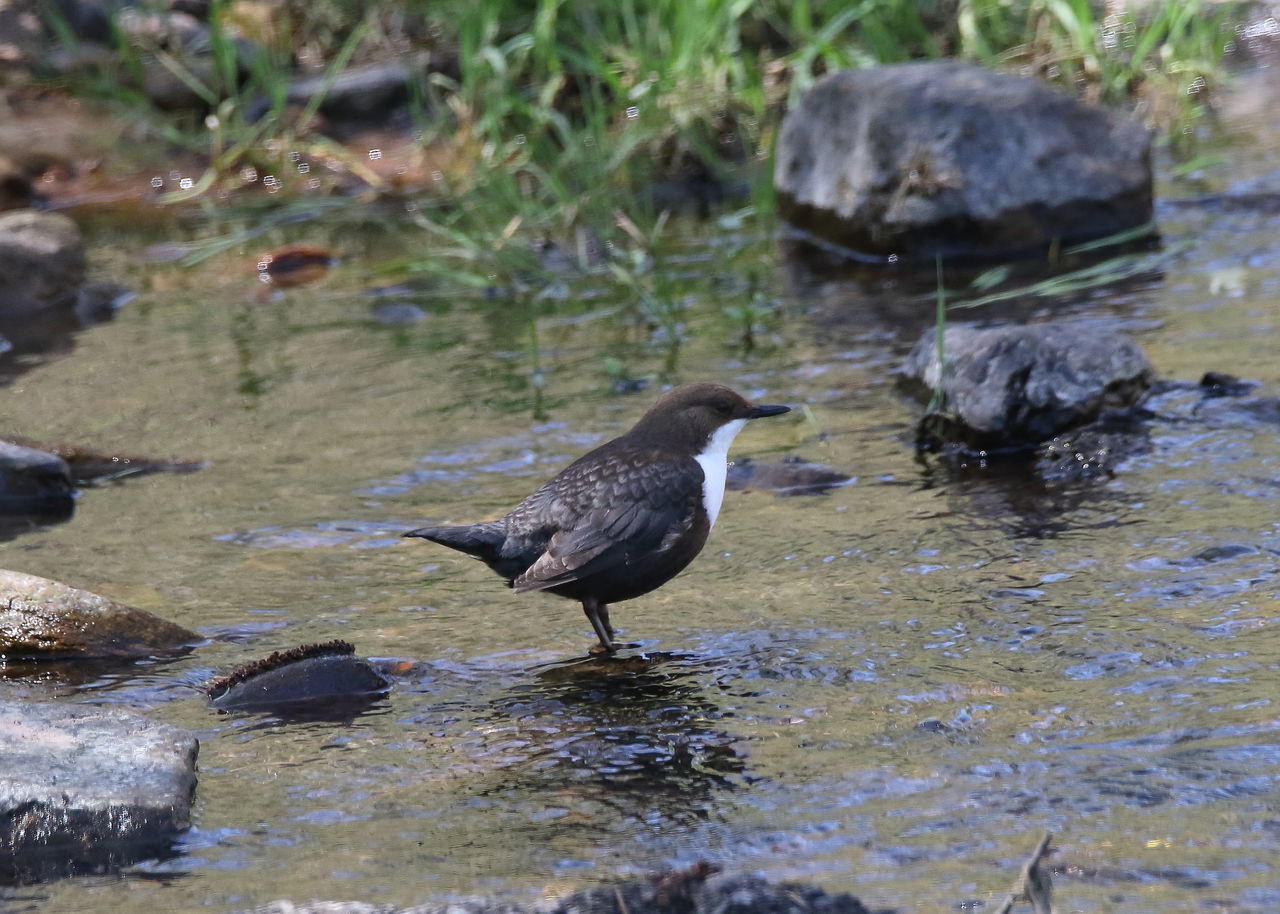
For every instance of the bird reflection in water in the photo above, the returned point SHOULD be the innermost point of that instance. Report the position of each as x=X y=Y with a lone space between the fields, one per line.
x=608 y=737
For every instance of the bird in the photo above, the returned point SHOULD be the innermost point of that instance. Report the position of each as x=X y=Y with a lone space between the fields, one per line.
x=623 y=519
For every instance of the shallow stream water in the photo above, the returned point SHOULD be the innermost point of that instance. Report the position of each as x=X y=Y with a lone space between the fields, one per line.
x=893 y=688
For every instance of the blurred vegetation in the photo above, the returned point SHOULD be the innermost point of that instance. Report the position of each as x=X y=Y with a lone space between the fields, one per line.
x=584 y=94
x=552 y=136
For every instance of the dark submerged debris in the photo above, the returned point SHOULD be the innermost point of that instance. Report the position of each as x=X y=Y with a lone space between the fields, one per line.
x=1221 y=384
x=674 y=890
x=294 y=265
x=326 y=671
x=92 y=466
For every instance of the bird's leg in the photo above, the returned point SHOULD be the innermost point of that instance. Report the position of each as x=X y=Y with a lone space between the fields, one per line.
x=599 y=617
x=608 y=627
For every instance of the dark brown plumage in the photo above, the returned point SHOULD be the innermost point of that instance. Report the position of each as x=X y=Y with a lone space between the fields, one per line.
x=623 y=519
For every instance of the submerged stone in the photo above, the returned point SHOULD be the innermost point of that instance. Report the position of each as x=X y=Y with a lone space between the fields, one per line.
x=88 y=789
x=1010 y=388
x=327 y=672
x=943 y=157
x=790 y=476
x=43 y=620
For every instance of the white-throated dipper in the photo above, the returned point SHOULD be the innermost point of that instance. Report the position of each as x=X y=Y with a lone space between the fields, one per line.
x=625 y=518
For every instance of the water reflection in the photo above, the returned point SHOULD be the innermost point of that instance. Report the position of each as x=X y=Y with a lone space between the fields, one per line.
x=99 y=674
x=32 y=338
x=1024 y=501
x=852 y=301
x=603 y=739
x=322 y=717
x=20 y=520
x=67 y=859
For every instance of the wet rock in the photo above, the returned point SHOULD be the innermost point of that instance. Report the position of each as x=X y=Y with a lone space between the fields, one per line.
x=1009 y=388
x=790 y=476
x=44 y=620
x=86 y=789
x=42 y=262
x=362 y=92
x=33 y=482
x=943 y=157
x=326 y=673
x=688 y=891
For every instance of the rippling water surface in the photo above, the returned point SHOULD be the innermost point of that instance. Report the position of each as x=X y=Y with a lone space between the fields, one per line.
x=891 y=688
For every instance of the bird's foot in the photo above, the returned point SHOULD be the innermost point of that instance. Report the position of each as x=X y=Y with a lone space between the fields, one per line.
x=614 y=646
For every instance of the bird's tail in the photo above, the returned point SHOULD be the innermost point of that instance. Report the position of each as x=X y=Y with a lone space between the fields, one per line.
x=479 y=540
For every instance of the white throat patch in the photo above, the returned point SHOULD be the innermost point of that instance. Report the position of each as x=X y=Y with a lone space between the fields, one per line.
x=715 y=466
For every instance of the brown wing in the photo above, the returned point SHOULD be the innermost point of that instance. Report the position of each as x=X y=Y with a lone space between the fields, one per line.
x=606 y=511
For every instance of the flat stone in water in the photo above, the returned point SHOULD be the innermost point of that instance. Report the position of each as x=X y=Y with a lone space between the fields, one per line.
x=84 y=789
x=790 y=476
x=306 y=674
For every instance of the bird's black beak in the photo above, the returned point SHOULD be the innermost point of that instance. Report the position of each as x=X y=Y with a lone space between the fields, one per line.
x=759 y=412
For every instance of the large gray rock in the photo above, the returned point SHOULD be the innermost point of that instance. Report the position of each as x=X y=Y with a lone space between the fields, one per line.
x=33 y=482
x=85 y=788
x=1014 y=387
x=944 y=157
x=42 y=262
x=44 y=620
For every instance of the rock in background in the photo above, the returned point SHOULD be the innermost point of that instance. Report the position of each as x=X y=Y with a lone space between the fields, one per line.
x=943 y=157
